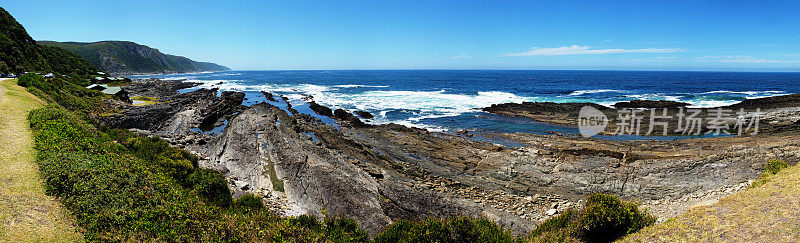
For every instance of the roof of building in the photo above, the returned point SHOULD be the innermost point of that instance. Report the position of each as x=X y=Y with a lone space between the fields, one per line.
x=105 y=89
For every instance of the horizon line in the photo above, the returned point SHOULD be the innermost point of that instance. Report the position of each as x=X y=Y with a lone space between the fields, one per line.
x=488 y=69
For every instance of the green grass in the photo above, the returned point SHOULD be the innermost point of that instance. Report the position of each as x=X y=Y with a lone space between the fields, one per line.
x=277 y=184
x=26 y=213
x=144 y=100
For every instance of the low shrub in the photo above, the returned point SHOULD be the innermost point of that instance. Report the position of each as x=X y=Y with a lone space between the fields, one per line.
x=249 y=201
x=211 y=187
x=604 y=218
x=454 y=229
x=773 y=167
x=30 y=79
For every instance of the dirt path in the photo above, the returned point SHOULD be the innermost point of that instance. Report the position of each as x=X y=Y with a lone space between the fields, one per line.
x=26 y=213
x=766 y=213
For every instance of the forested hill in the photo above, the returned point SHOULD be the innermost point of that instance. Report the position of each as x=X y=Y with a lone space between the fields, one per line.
x=129 y=57
x=20 y=53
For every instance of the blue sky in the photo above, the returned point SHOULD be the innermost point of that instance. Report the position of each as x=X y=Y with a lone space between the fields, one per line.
x=430 y=34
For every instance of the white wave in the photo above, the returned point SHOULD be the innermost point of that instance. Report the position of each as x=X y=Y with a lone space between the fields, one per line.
x=710 y=103
x=732 y=92
x=179 y=78
x=749 y=93
x=226 y=74
x=360 y=86
x=593 y=91
x=236 y=85
x=423 y=104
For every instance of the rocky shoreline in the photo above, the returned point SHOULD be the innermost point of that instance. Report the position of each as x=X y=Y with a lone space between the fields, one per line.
x=376 y=174
x=778 y=114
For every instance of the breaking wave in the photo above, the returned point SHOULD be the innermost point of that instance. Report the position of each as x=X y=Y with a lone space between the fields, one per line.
x=413 y=108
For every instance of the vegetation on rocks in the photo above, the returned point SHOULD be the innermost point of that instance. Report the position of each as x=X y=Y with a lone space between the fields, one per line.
x=604 y=218
x=773 y=167
x=454 y=229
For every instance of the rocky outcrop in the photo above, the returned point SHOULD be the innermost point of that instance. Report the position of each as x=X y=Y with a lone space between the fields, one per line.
x=320 y=109
x=157 y=88
x=638 y=113
x=276 y=155
x=364 y=114
x=557 y=113
x=268 y=96
x=348 y=117
x=768 y=103
x=176 y=114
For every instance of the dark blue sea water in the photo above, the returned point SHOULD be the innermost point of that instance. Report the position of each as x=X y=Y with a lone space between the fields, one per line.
x=447 y=100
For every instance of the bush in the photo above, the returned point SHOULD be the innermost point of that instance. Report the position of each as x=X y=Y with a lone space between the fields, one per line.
x=454 y=229
x=604 y=218
x=773 y=166
x=211 y=187
x=66 y=92
x=555 y=224
x=249 y=201
x=30 y=80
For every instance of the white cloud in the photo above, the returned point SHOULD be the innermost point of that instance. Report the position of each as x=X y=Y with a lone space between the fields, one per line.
x=460 y=56
x=579 y=50
x=742 y=59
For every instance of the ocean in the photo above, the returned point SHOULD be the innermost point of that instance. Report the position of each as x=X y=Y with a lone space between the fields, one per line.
x=448 y=100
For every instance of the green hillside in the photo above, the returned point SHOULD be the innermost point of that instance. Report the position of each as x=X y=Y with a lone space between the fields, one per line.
x=20 y=53
x=129 y=57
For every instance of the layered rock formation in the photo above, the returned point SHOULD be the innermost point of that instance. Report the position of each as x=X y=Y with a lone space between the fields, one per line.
x=376 y=174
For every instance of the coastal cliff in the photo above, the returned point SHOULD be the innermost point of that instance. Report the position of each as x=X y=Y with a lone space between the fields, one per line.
x=128 y=57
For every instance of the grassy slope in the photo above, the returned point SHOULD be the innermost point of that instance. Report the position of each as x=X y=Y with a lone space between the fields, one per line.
x=766 y=213
x=26 y=213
